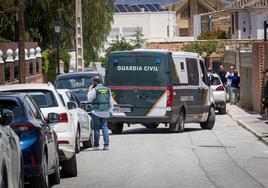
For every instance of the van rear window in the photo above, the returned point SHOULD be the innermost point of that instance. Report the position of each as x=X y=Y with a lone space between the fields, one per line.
x=142 y=70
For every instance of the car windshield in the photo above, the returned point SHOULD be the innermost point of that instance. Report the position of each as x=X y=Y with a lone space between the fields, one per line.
x=43 y=98
x=13 y=106
x=74 y=83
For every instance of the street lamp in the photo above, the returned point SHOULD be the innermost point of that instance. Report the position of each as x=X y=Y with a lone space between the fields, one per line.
x=57 y=28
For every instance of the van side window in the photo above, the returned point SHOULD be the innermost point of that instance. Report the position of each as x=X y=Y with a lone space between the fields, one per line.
x=204 y=72
x=182 y=66
x=192 y=70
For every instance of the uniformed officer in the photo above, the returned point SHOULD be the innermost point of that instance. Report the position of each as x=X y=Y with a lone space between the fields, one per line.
x=102 y=108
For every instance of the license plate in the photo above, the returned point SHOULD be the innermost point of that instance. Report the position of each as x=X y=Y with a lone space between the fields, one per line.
x=122 y=109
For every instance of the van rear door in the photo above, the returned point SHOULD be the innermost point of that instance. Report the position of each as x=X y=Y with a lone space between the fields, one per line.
x=139 y=80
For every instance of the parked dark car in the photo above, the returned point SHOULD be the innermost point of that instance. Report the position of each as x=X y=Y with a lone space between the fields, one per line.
x=11 y=160
x=77 y=82
x=37 y=140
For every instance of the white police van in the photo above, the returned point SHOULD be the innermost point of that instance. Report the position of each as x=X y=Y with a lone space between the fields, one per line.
x=153 y=86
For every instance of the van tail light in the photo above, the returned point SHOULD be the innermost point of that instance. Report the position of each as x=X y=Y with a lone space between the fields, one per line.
x=170 y=96
x=23 y=126
x=220 y=88
x=63 y=118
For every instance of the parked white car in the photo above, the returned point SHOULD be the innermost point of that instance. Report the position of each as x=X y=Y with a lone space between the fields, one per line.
x=11 y=159
x=48 y=99
x=219 y=93
x=82 y=121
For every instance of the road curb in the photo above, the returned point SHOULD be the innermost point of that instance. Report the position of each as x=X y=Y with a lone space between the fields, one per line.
x=249 y=128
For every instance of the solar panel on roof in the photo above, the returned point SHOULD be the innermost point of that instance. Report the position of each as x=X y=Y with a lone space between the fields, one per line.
x=158 y=7
x=116 y=9
x=143 y=7
x=135 y=8
x=129 y=8
x=121 y=8
x=151 y=8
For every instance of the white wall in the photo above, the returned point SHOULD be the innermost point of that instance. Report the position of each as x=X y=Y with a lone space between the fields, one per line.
x=244 y=25
x=153 y=24
x=253 y=22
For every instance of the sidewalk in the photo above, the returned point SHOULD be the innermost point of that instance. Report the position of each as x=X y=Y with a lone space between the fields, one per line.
x=252 y=122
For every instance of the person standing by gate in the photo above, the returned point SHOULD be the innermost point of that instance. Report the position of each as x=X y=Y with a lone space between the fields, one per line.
x=234 y=87
x=102 y=108
x=265 y=94
x=222 y=74
x=229 y=81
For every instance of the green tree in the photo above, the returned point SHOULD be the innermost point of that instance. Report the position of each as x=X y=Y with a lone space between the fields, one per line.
x=219 y=34
x=118 y=44
x=52 y=63
x=40 y=17
x=138 y=40
x=205 y=46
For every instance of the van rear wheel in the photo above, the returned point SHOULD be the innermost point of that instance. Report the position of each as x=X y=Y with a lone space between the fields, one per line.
x=209 y=124
x=179 y=125
x=116 y=128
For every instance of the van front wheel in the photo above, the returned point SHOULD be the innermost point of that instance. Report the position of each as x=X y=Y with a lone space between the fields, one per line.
x=209 y=124
x=179 y=125
x=116 y=128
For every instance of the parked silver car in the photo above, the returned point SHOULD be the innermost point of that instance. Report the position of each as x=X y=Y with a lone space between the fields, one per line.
x=11 y=160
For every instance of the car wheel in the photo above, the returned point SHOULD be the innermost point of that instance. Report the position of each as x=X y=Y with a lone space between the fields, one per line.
x=69 y=167
x=222 y=110
x=152 y=126
x=179 y=125
x=77 y=142
x=88 y=143
x=21 y=183
x=54 y=179
x=42 y=180
x=116 y=128
x=209 y=124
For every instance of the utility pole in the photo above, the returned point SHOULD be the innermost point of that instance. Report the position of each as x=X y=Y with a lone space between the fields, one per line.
x=79 y=36
x=22 y=75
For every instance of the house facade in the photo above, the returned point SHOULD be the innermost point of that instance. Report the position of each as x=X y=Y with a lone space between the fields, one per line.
x=187 y=9
x=247 y=19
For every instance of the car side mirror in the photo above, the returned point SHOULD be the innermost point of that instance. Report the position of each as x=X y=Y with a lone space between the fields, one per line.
x=7 y=117
x=53 y=118
x=72 y=105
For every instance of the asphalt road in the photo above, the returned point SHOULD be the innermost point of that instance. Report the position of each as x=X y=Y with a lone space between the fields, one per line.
x=228 y=156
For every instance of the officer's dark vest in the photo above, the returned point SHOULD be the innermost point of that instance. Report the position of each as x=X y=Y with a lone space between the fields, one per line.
x=102 y=101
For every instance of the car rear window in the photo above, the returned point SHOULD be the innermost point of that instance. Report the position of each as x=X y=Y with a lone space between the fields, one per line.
x=216 y=81
x=142 y=70
x=13 y=106
x=43 y=98
x=75 y=83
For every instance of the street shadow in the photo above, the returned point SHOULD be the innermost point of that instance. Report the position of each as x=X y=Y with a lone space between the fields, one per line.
x=153 y=131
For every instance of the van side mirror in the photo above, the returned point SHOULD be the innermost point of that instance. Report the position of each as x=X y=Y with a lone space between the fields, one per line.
x=53 y=118
x=7 y=117
x=72 y=105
